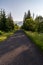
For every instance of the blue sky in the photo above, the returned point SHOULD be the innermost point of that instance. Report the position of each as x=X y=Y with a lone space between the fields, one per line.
x=19 y=7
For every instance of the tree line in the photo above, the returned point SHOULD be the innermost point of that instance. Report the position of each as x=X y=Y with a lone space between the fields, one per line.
x=6 y=21
x=31 y=24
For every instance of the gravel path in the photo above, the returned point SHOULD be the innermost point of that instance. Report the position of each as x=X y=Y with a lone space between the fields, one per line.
x=19 y=50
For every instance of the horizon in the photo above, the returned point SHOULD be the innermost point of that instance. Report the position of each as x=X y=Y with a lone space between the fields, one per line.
x=19 y=7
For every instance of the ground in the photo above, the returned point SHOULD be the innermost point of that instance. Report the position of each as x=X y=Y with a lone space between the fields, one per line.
x=19 y=50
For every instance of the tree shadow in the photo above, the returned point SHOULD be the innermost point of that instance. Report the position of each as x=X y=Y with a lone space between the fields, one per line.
x=13 y=43
x=26 y=58
x=31 y=56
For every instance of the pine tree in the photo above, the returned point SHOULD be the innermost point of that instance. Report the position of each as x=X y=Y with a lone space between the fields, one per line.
x=28 y=14
x=10 y=23
x=25 y=16
x=3 y=20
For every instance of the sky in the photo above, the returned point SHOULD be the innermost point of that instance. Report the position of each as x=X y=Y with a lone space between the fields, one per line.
x=19 y=7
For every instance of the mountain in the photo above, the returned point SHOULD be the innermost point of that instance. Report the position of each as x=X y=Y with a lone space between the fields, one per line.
x=20 y=23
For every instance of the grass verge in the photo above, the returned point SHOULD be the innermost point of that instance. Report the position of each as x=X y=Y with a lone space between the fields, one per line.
x=5 y=35
x=37 y=38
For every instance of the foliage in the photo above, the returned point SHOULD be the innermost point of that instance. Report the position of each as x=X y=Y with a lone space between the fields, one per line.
x=5 y=35
x=1 y=32
x=6 y=23
x=39 y=23
x=2 y=20
x=9 y=23
x=37 y=38
x=40 y=28
x=16 y=26
x=27 y=16
x=29 y=24
x=32 y=25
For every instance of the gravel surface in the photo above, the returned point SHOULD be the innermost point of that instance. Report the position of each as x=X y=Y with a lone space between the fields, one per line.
x=19 y=50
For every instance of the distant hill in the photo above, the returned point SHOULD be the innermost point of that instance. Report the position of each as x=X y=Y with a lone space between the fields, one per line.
x=20 y=23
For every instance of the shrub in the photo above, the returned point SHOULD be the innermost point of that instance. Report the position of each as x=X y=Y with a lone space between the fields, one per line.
x=1 y=32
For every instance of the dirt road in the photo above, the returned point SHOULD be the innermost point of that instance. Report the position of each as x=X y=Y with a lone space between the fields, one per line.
x=19 y=50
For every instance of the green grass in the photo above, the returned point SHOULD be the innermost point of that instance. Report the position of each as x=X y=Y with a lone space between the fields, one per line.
x=5 y=35
x=36 y=38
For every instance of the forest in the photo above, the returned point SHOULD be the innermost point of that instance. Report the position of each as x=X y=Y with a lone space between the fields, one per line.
x=33 y=28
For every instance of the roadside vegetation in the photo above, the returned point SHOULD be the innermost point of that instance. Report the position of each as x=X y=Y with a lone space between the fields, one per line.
x=36 y=38
x=5 y=35
x=7 y=26
x=33 y=28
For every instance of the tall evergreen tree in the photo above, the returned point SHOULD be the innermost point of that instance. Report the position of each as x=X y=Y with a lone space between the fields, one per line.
x=6 y=23
x=28 y=14
x=25 y=16
x=3 y=20
x=10 y=23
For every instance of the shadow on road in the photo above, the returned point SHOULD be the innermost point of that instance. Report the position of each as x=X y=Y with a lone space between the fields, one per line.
x=19 y=50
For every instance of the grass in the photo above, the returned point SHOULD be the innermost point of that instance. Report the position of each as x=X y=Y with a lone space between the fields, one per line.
x=5 y=35
x=37 y=38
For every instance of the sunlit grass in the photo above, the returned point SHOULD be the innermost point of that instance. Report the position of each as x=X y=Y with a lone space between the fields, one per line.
x=37 y=38
x=2 y=38
x=5 y=35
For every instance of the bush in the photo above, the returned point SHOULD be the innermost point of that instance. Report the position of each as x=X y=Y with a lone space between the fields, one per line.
x=1 y=32
x=29 y=24
x=40 y=28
